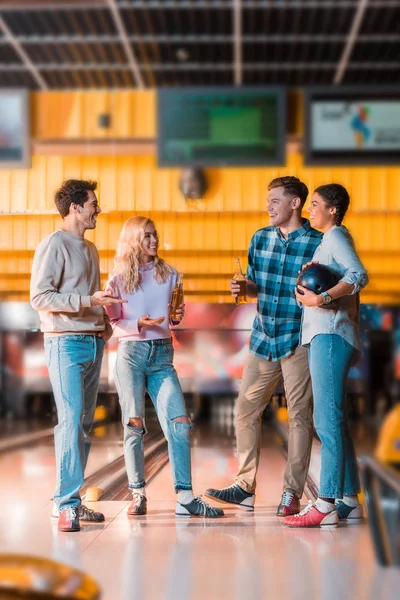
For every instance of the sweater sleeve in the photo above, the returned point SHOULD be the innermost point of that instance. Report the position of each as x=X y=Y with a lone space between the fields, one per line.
x=47 y=268
x=121 y=327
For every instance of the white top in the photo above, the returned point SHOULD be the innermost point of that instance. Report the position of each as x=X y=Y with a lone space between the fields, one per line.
x=151 y=298
x=337 y=251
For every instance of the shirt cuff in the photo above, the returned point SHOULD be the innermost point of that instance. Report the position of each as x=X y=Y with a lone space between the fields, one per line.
x=85 y=302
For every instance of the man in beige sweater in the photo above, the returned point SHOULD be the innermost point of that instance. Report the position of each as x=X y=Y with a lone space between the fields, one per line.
x=65 y=286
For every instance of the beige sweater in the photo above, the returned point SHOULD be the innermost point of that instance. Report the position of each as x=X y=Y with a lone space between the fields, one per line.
x=65 y=273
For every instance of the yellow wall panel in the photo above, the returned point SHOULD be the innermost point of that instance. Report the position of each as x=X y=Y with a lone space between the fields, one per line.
x=393 y=188
x=144 y=114
x=5 y=190
x=19 y=190
x=143 y=184
x=56 y=114
x=94 y=103
x=54 y=178
x=199 y=237
x=36 y=192
x=125 y=182
x=162 y=189
x=73 y=115
x=107 y=182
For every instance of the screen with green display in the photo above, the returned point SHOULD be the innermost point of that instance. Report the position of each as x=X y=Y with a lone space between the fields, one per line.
x=221 y=126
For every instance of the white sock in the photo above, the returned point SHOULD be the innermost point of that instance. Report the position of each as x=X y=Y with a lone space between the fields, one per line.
x=141 y=491
x=351 y=500
x=323 y=506
x=185 y=496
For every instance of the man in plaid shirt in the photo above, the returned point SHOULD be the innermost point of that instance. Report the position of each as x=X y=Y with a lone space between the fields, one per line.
x=276 y=255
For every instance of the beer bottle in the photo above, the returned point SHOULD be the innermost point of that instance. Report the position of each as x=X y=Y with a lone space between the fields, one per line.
x=176 y=299
x=240 y=278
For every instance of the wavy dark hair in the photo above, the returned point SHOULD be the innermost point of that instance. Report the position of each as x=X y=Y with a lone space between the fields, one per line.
x=335 y=196
x=73 y=191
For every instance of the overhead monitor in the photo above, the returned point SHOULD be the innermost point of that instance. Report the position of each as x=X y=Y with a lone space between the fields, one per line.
x=352 y=125
x=14 y=128
x=221 y=126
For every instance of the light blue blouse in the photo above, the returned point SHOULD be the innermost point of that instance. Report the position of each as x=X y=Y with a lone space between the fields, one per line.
x=337 y=251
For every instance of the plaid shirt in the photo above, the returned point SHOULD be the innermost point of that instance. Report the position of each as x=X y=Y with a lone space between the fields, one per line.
x=274 y=263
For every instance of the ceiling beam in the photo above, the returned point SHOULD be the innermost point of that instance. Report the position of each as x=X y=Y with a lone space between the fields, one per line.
x=40 y=5
x=28 y=64
x=237 y=42
x=133 y=64
x=201 y=39
x=168 y=67
x=351 y=40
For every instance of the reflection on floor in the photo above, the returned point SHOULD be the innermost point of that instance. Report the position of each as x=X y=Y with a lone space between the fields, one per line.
x=244 y=555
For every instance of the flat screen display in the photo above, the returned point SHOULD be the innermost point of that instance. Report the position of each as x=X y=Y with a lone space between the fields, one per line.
x=221 y=126
x=357 y=126
x=14 y=129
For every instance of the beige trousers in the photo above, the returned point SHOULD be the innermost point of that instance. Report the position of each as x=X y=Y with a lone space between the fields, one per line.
x=260 y=377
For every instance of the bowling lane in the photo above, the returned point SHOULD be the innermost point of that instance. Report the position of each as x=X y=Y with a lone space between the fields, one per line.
x=242 y=555
x=158 y=556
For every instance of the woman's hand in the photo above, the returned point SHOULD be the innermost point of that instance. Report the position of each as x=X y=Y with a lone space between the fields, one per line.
x=307 y=297
x=313 y=262
x=146 y=321
x=180 y=313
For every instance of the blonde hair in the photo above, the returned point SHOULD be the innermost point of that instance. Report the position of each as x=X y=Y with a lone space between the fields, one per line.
x=129 y=255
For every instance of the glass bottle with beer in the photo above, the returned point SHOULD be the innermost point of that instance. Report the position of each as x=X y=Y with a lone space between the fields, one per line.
x=176 y=299
x=241 y=298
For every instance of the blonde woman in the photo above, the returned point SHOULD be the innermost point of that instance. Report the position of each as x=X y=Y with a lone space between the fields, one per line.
x=144 y=363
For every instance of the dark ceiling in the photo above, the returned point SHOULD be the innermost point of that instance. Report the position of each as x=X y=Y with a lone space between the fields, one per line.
x=147 y=43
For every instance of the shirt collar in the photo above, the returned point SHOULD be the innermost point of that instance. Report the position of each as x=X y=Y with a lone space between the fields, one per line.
x=304 y=229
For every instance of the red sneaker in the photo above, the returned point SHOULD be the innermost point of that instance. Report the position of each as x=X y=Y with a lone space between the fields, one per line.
x=69 y=519
x=289 y=505
x=310 y=516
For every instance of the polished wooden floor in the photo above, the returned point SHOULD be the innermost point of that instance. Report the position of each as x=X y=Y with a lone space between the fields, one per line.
x=244 y=555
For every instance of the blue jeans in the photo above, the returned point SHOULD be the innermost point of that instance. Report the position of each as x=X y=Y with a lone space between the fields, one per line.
x=330 y=358
x=142 y=366
x=74 y=363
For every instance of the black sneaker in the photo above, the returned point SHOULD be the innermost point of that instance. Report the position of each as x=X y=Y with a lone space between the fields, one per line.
x=233 y=494
x=88 y=515
x=198 y=508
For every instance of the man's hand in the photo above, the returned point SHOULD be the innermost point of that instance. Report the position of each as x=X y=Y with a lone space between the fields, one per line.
x=104 y=299
x=107 y=333
x=307 y=297
x=146 y=321
x=235 y=287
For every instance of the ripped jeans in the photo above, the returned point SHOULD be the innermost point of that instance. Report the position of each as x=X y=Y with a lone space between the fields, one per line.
x=147 y=366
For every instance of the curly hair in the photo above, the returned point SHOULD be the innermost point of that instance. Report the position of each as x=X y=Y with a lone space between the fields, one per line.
x=292 y=186
x=73 y=191
x=129 y=254
x=336 y=196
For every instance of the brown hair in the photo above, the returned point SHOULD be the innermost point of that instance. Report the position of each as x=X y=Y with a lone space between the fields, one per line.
x=73 y=191
x=292 y=185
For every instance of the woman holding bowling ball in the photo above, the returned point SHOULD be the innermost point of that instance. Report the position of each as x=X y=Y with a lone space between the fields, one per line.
x=145 y=363
x=333 y=341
